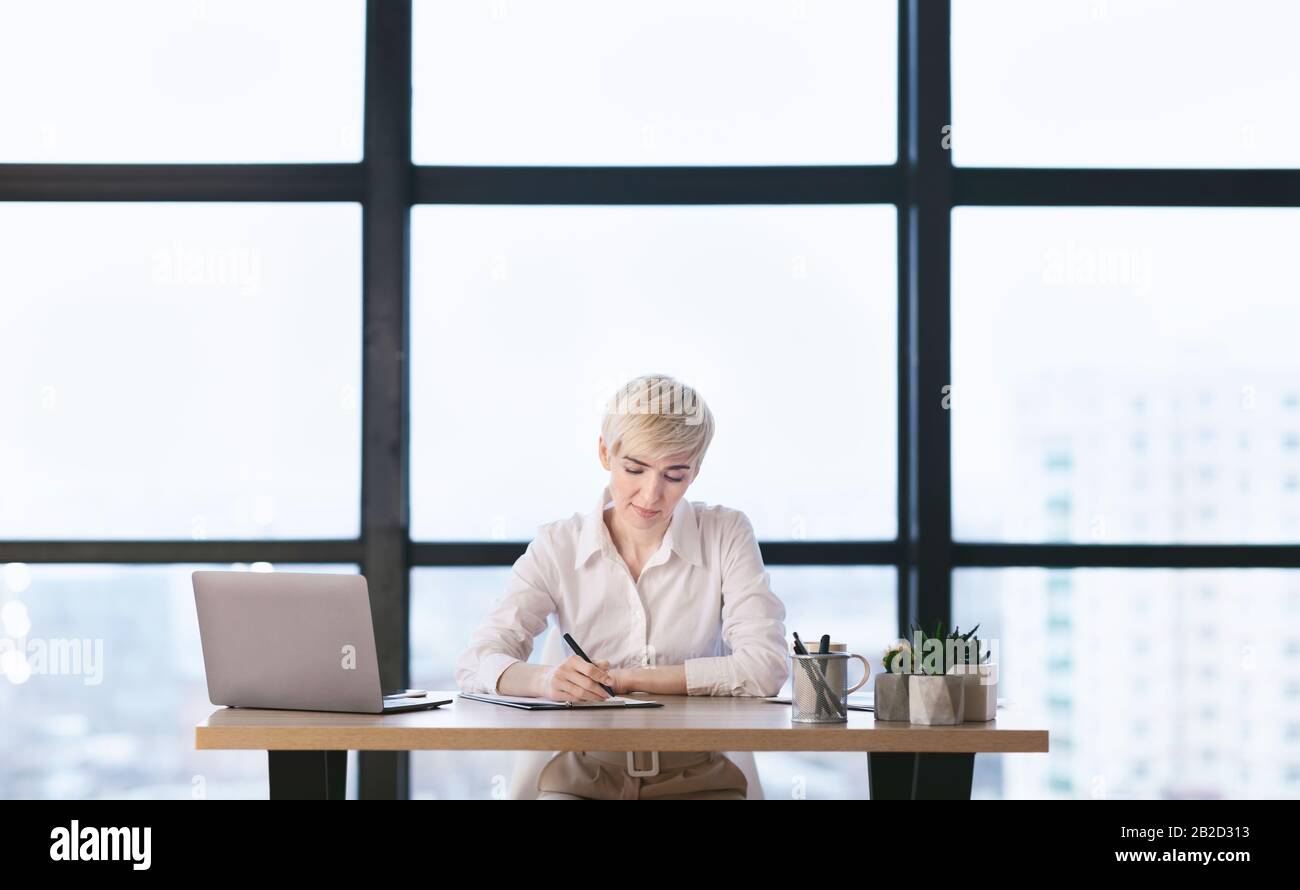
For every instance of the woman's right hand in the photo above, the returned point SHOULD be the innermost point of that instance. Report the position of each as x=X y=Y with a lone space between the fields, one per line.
x=575 y=679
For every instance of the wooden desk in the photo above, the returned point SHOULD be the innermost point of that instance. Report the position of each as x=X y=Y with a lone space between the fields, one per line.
x=307 y=750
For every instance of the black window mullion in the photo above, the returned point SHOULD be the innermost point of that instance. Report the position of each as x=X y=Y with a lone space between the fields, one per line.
x=385 y=388
x=1033 y=187
x=925 y=503
x=656 y=185
x=160 y=552
x=1144 y=556
x=790 y=553
x=181 y=182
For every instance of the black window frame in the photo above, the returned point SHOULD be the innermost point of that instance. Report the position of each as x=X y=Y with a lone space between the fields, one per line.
x=923 y=185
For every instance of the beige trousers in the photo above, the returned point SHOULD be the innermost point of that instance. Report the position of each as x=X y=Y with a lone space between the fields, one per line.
x=603 y=775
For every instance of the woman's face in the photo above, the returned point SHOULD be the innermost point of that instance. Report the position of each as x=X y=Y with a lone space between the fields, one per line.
x=646 y=492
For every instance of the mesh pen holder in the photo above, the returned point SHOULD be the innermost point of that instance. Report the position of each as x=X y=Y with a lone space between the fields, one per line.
x=819 y=686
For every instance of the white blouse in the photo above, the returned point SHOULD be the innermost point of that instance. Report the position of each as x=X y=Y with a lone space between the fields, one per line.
x=703 y=600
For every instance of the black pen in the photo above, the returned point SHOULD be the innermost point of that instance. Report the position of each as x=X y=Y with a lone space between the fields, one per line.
x=823 y=648
x=573 y=644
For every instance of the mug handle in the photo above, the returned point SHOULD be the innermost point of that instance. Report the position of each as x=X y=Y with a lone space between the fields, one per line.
x=867 y=668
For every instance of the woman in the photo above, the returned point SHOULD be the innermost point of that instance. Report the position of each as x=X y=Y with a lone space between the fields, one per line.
x=652 y=587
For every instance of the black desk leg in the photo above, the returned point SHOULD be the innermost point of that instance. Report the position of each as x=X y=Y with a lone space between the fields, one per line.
x=308 y=775
x=894 y=776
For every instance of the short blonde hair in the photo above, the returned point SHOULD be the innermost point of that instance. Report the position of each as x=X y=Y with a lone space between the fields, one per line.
x=655 y=416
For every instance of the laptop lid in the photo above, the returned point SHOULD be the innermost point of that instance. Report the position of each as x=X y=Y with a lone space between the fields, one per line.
x=290 y=640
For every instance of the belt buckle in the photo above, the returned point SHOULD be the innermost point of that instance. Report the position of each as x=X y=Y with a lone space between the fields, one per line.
x=652 y=771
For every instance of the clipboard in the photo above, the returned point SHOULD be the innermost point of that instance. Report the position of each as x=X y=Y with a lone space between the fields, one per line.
x=548 y=704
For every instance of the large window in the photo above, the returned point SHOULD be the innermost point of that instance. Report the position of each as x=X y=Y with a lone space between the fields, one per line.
x=1125 y=419
x=102 y=684
x=672 y=82
x=180 y=370
x=1153 y=683
x=156 y=81
x=971 y=310
x=526 y=320
x=1124 y=83
x=1125 y=375
x=182 y=363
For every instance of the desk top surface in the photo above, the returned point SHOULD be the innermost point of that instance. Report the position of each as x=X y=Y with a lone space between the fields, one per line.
x=685 y=723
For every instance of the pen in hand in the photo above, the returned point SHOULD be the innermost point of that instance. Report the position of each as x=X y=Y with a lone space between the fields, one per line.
x=577 y=650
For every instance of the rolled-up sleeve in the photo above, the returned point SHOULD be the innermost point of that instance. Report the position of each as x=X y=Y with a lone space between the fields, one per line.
x=753 y=625
x=506 y=635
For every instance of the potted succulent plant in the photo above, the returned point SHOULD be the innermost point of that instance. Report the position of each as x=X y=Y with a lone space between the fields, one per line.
x=981 y=678
x=935 y=697
x=891 y=685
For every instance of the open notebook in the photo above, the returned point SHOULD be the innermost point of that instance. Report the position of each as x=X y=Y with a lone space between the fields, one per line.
x=546 y=704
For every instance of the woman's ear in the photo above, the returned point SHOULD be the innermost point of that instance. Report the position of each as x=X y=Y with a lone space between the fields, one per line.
x=603 y=453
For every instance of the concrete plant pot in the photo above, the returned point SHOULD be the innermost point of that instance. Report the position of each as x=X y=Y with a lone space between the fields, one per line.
x=892 y=697
x=981 y=695
x=938 y=700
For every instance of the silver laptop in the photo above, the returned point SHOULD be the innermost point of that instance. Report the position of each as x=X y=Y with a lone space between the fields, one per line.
x=295 y=641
